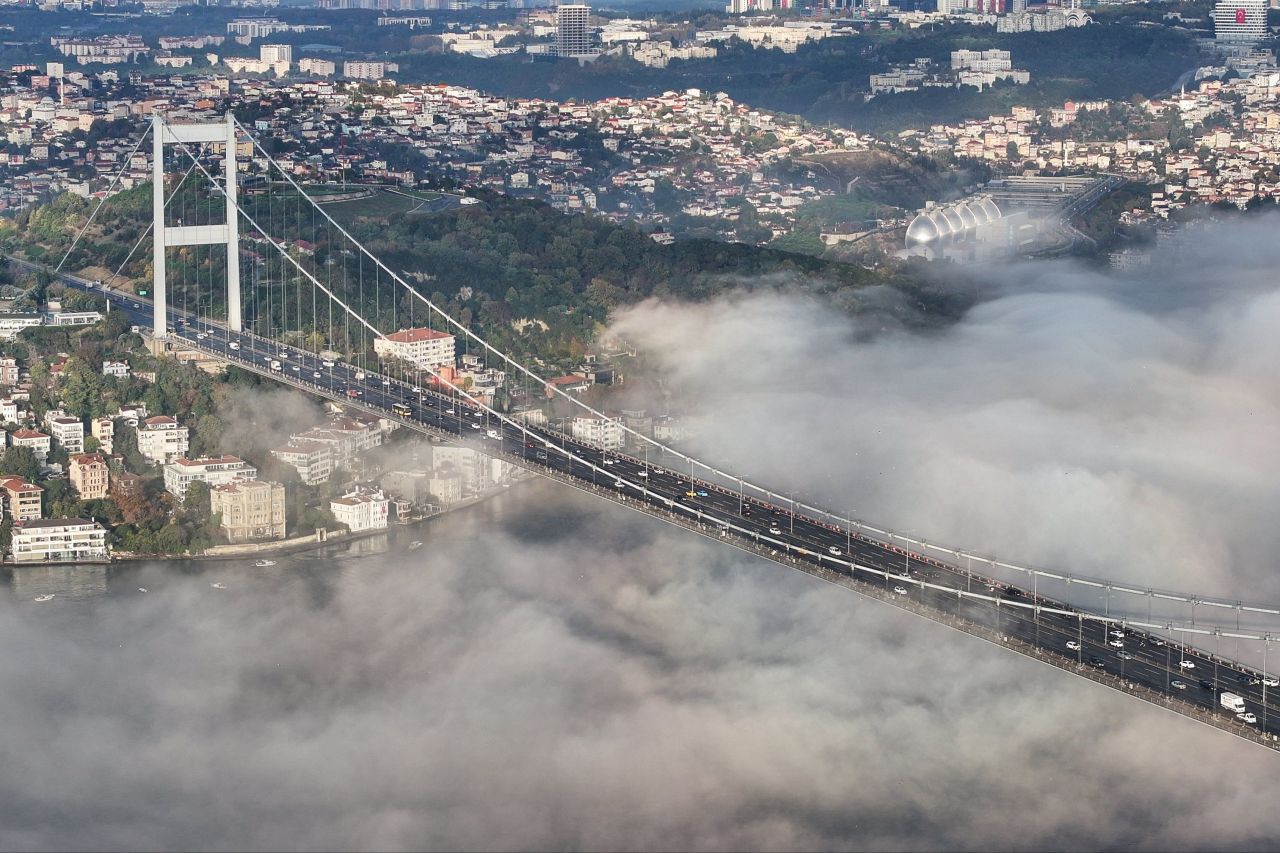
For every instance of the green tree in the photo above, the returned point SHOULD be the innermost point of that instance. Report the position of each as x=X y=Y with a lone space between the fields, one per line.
x=20 y=462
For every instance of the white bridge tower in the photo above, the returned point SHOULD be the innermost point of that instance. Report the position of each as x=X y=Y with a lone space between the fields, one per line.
x=228 y=233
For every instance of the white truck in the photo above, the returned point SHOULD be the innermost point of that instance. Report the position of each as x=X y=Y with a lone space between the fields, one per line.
x=275 y=365
x=1232 y=702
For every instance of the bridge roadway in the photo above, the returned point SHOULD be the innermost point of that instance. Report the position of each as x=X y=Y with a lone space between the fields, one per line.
x=1187 y=679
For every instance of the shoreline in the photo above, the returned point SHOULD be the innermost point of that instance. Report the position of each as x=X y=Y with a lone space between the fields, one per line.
x=283 y=547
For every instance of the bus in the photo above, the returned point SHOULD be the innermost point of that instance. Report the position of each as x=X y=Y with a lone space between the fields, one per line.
x=402 y=409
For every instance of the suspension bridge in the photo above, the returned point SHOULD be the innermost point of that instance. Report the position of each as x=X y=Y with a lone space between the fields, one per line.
x=313 y=305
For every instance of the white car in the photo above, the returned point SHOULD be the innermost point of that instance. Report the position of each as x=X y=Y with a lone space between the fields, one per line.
x=642 y=473
x=234 y=345
x=417 y=390
x=201 y=336
x=1178 y=685
x=1119 y=635
x=1186 y=664
x=619 y=484
x=1248 y=717
x=833 y=551
x=315 y=374
x=775 y=529
x=900 y=590
x=1073 y=645
x=1126 y=656
x=326 y=364
x=1119 y=644
x=386 y=382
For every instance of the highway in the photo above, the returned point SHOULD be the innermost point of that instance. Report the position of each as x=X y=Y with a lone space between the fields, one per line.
x=1074 y=640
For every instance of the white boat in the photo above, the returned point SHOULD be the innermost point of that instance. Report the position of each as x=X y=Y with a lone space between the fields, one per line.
x=262 y=564
x=142 y=589
x=415 y=545
x=218 y=585
x=46 y=597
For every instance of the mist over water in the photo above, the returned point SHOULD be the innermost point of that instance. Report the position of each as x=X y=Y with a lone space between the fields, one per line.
x=553 y=672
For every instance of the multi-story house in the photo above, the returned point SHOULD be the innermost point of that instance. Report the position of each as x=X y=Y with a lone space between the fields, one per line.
x=250 y=509
x=23 y=499
x=362 y=509
x=424 y=348
x=89 y=476
x=162 y=439
x=44 y=540
x=66 y=430
x=214 y=470
x=34 y=439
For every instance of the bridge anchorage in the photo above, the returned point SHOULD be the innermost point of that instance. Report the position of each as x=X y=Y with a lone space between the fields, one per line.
x=311 y=313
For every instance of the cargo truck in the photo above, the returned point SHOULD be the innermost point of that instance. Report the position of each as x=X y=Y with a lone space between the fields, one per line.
x=1232 y=702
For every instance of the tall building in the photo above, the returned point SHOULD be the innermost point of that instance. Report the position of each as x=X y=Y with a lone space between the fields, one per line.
x=573 y=36
x=1240 y=22
x=276 y=53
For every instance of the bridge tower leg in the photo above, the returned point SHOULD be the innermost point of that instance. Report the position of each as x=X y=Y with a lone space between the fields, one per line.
x=228 y=233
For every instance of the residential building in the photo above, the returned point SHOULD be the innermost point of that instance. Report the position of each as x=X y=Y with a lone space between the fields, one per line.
x=44 y=540
x=89 y=476
x=605 y=433
x=8 y=372
x=312 y=459
x=34 y=439
x=426 y=349
x=214 y=470
x=22 y=499
x=250 y=509
x=8 y=411
x=132 y=413
x=276 y=53
x=104 y=430
x=357 y=70
x=317 y=67
x=162 y=439
x=66 y=430
x=361 y=509
x=115 y=368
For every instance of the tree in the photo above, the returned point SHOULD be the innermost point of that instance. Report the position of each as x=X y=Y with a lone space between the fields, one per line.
x=20 y=462
x=196 y=502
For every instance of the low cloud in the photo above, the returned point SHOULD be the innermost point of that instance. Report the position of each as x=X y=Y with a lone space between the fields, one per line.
x=616 y=685
x=1115 y=427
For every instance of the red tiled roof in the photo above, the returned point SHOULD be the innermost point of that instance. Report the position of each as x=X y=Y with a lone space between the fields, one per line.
x=410 y=336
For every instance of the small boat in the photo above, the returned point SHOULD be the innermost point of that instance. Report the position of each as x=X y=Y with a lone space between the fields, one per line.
x=218 y=585
x=46 y=597
x=142 y=589
x=262 y=564
x=415 y=545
